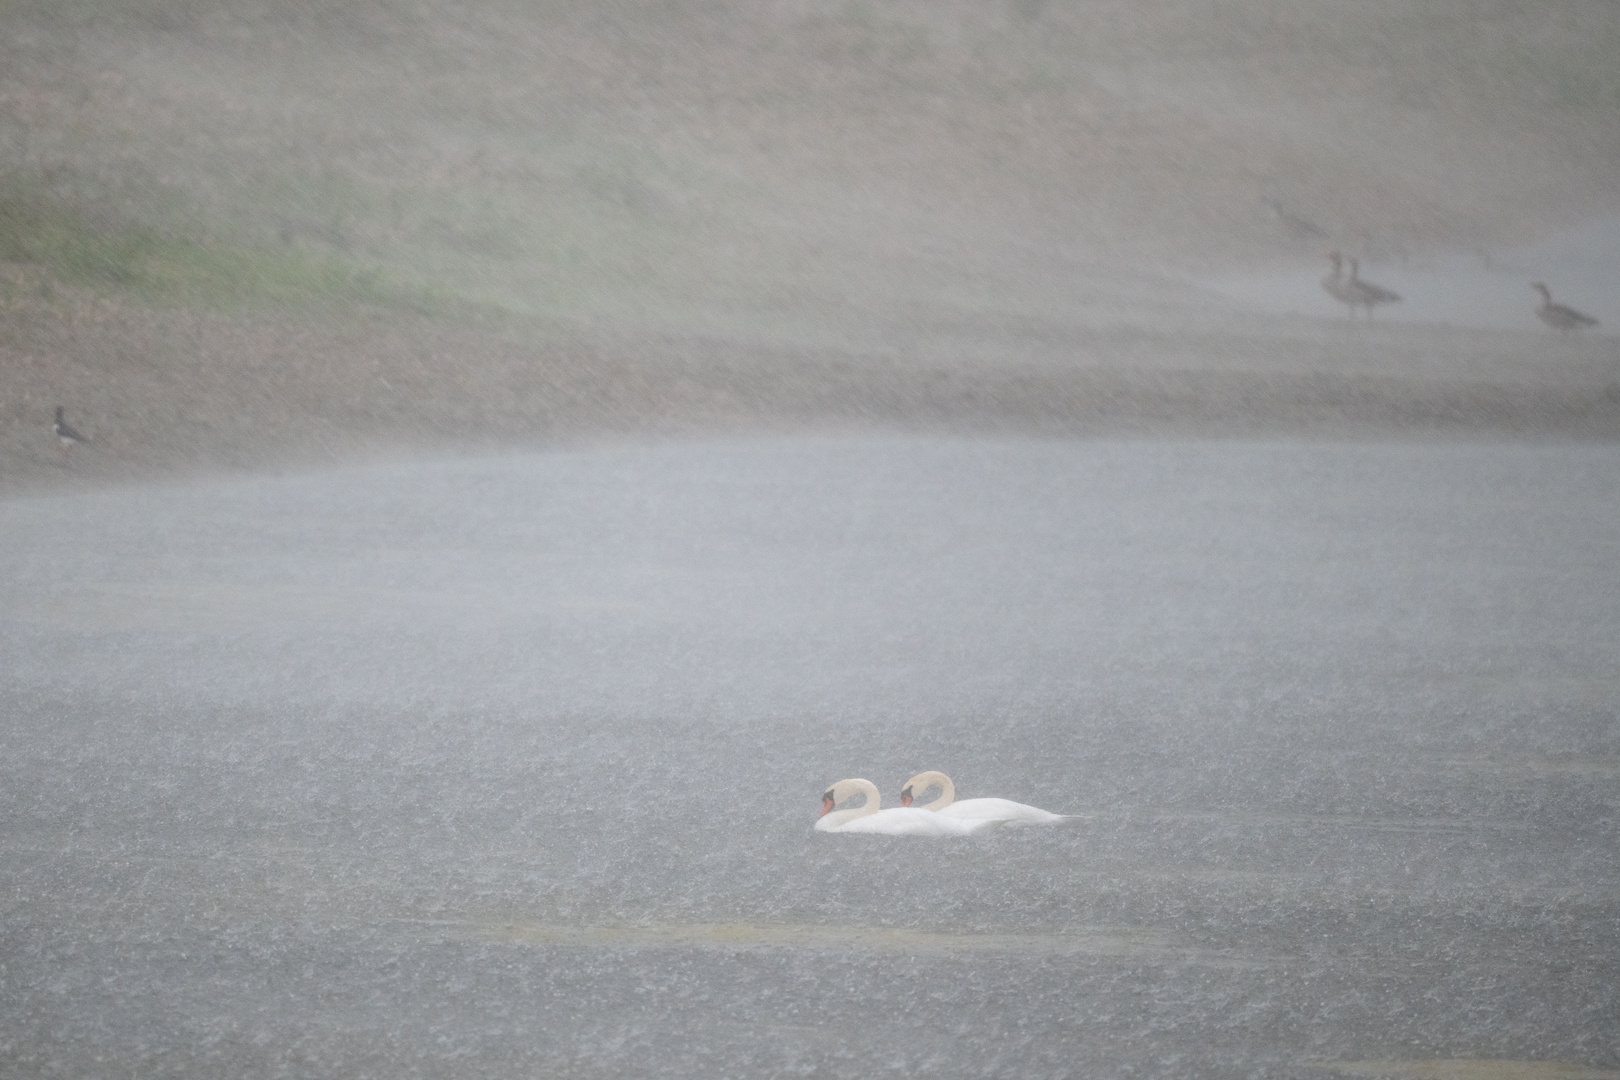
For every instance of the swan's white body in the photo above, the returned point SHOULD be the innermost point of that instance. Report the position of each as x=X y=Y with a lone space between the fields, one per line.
x=896 y=821
x=1000 y=811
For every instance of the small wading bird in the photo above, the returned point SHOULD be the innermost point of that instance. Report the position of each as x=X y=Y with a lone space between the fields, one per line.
x=65 y=433
x=1336 y=286
x=1365 y=293
x=1558 y=316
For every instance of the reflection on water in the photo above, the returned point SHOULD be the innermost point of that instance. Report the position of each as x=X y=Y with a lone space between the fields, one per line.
x=1468 y=1069
x=1099 y=942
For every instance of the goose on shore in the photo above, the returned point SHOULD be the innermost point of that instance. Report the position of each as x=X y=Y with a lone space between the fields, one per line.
x=1558 y=316
x=65 y=434
x=1299 y=227
x=1365 y=293
x=1335 y=284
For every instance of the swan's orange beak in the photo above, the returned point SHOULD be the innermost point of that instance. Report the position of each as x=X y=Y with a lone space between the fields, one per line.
x=905 y=797
x=826 y=804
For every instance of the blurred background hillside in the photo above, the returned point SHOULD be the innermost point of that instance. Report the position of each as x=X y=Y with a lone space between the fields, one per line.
x=241 y=232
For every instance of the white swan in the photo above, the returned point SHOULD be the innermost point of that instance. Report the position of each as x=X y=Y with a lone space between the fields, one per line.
x=896 y=821
x=1002 y=811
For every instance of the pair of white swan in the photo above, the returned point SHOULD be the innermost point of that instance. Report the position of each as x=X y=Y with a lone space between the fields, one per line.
x=943 y=816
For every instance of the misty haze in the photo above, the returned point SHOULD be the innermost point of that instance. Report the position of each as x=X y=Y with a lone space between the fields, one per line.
x=480 y=482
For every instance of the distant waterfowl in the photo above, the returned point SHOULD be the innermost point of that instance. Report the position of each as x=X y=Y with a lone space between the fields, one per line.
x=1365 y=293
x=1335 y=284
x=65 y=433
x=1299 y=227
x=1558 y=316
x=1004 y=811
x=896 y=821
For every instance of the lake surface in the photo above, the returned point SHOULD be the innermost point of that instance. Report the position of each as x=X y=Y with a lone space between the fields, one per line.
x=508 y=766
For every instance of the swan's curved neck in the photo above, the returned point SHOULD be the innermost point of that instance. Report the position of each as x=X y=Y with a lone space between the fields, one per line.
x=848 y=789
x=921 y=783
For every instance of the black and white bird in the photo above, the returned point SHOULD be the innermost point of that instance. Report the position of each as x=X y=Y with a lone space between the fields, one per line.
x=1558 y=316
x=65 y=433
x=1365 y=293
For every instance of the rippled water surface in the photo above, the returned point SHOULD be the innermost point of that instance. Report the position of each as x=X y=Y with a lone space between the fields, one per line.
x=507 y=767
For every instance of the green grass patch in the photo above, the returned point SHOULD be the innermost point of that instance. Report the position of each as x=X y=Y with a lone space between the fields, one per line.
x=79 y=248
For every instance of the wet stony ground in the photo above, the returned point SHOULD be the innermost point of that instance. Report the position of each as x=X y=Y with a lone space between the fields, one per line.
x=171 y=393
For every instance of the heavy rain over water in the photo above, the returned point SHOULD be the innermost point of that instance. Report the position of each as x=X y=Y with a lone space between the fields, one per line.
x=507 y=766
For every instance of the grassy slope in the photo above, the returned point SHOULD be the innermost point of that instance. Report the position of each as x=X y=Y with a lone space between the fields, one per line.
x=617 y=162
x=853 y=179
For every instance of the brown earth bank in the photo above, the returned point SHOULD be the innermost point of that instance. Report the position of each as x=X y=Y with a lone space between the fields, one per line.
x=169 y=391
